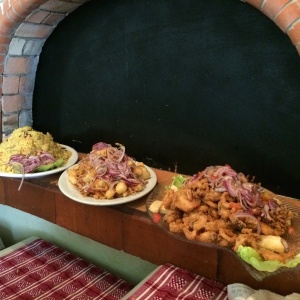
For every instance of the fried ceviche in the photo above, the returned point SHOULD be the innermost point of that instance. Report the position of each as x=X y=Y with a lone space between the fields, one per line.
x=28 y=151
x=221 y=206
x=108 y=172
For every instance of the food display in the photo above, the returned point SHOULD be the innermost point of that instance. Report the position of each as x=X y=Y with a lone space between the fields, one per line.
x=107 y=172
x=223 y=207
x=28 y=151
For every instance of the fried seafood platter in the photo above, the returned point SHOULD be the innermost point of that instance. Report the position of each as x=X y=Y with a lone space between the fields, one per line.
x=223 y=208
x=108 y=173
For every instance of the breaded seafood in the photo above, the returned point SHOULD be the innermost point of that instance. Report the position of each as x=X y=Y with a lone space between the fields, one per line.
x=107 y=172
x=219 y=205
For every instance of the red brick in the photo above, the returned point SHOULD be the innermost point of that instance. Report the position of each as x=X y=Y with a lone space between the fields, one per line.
x=18 y=65
x=11 y=119
x=60 y=6
x=7 y=26
x=54 y=19
x=2 y=59
x=12 y=103
x=4 y=47
x=271 y=8
x=31 y=4
x=37 y=16
x=13 y=16
x=298 y=49
x=287 y=16
x=10 y=84
x=19 y=10
x=34 y=30
x=294 y=33
x=4 y=40
x=26 y=83
x=7 y=4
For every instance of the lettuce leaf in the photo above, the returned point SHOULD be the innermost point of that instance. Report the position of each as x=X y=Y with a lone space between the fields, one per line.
x=51 y=166
x=251 y=256
x=177 y=181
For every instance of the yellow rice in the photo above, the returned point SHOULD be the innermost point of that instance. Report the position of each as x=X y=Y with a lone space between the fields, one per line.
x=27 y=141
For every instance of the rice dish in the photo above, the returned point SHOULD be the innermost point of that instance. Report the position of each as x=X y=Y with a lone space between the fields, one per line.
x=28 y=142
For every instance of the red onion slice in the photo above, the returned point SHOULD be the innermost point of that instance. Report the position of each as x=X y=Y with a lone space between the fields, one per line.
x=113 y=165
x=30 y=163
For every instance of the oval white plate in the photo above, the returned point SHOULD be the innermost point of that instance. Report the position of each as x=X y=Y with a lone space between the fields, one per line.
x=73 y=193
x=71 y=161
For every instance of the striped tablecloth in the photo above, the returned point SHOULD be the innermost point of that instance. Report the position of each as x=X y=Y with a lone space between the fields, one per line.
x=41 y=270
x=170 y=282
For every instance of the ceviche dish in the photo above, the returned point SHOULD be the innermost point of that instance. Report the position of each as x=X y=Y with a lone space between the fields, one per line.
x=221 y=206
x=27 y=151
x=107 y=172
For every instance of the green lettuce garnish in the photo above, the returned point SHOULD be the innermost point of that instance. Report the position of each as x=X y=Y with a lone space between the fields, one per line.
x=177 y=181
x=51 y=166
x=251 y=256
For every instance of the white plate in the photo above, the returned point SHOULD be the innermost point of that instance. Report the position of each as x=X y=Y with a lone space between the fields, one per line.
x=73 y=193
x=71 y=161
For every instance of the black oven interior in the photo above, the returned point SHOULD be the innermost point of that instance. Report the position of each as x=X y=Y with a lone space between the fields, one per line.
x=182 y=84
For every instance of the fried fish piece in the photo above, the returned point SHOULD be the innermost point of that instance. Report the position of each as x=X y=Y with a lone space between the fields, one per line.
x=185 y=201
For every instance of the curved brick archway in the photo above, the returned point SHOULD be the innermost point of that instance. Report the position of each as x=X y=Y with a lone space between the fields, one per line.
x=25 y=25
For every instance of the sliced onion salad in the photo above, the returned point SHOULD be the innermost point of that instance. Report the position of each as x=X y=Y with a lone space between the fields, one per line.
x=112 y=165
x=25 y=164
x=31 y=162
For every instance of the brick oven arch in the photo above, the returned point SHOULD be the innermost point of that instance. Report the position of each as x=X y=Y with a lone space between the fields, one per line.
x=25 y=25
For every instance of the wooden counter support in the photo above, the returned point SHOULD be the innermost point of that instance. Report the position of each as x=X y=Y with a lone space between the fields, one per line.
x=129 y=228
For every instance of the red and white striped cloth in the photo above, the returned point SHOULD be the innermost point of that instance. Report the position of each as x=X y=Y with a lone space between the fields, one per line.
x=41 y=270
x=171 y=282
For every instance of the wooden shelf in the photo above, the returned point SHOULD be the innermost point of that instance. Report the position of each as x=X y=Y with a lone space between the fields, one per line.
x=128 y=227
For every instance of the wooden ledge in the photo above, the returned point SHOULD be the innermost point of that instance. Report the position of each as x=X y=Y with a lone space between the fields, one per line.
x=128 y=227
